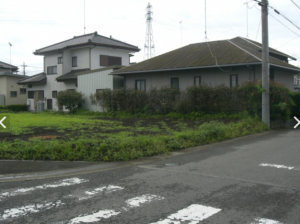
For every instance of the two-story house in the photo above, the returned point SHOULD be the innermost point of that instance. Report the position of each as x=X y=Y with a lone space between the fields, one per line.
x=10 y=92
x=62 y=61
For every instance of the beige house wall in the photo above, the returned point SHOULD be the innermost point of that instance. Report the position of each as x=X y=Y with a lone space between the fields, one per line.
x=11 y=85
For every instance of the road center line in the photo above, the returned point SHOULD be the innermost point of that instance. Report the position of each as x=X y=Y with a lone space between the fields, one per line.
x=62 y=183
x=279 y=166
x=265 y=221
x=194 y=214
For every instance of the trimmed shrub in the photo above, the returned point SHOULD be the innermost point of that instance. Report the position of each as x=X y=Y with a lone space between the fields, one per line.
x=295 y=111
x=72 y=100
x=198 y=99
x=17 y=107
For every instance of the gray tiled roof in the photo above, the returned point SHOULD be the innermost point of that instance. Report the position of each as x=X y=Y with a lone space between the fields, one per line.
x=35 y=79
x=236 y=51
x=8 y=66
x=71 y=76
x=87 y=39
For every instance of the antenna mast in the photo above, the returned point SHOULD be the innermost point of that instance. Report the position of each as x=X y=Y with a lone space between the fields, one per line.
x=84 y=16
x=149 y=50
x=205 y=23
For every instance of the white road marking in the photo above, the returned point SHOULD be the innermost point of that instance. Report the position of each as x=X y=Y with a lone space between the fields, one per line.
x=95 y=217
x=146 y=198
x=279 y=166
x=90 y=193
x=62 y=183
x=265 y=221
x=24 y=210
x=194 y=214
x=131 y=203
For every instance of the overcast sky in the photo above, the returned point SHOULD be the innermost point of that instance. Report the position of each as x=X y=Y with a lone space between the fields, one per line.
x=33 y=24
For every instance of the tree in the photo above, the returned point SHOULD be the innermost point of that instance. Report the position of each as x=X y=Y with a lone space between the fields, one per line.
x=71 y=99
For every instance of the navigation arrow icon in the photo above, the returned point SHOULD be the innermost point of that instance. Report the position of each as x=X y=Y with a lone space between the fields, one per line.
x=2 y=123
x=297 y=123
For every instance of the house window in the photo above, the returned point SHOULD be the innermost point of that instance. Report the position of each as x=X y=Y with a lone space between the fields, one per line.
x=22 y=90
x=74 y=61
x=197 y=80
x=59 y=60
x=175 y=83
x=110 y=60
x=140 y=85
x=30 y=94
x=54 y=94
x=51 y=70
x=13 y=93
x=233 y=80
x=295 y=80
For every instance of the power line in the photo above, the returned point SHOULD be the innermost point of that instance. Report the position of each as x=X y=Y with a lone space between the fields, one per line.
x=287 y=42
x=284 y=17
x=284 y=25
x=295 y=4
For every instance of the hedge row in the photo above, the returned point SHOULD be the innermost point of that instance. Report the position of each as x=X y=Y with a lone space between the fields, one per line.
x=16 y=107
x=206 y=98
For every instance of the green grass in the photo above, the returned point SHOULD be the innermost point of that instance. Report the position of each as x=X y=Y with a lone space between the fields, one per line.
x=89 y=139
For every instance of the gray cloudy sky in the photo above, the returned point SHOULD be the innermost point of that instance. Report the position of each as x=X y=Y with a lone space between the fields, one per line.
x=33 y=24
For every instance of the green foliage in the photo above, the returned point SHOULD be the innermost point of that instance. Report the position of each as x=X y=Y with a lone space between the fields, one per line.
x=72 y=100
x=198 y=101
x=111 y=146
x=16 y=107
x=295 y=111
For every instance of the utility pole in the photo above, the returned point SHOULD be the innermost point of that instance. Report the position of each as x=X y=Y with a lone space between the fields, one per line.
x=265 y=63
x=23 y=68
x=149 y=50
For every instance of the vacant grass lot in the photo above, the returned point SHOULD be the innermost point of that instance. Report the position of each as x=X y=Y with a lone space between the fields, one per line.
x=54 y=136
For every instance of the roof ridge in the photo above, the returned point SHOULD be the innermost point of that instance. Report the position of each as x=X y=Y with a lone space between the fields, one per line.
x=110 y=38
x=75 y=37
x=244 y=50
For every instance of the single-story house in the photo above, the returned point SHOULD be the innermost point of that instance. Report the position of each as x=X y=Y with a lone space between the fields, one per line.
x=63 y=60
x=230 y=62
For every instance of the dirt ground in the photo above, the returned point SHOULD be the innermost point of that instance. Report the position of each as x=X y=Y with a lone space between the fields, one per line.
x=130 y=123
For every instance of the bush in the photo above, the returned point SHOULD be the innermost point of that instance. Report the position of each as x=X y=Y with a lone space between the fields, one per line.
x=72 y=100
x=295 y=111
x=198 y=100
x=17 y=107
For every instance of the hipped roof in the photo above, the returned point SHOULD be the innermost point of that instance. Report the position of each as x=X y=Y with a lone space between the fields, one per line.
x=234 y=52
x=88 y=39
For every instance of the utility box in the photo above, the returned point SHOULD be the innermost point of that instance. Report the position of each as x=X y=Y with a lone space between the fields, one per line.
x=40 y=105
x=2 y=100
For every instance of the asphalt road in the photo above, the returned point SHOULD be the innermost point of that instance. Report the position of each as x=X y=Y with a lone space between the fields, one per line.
x=254 y=179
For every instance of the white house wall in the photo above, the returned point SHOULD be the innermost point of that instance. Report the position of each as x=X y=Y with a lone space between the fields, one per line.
x=88 y=83
x=82 y=55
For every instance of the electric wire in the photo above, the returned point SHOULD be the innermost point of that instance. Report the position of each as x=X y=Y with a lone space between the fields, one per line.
x=295 y=4
x=284 y=17
x=285 y=25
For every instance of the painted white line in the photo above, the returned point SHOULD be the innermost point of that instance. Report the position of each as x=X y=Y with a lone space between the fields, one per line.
x=194 y=214
x=62 y=183
x=108 y=189
x=146 y=198
x=279 y=166
x=24 y=210
x=95 y=217
x=105 y=214
x=265 y=221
